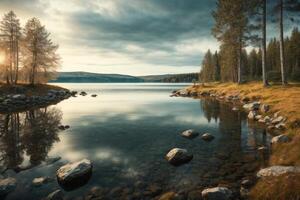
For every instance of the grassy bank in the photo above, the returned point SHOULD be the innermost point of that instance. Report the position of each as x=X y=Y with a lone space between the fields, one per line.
x=286 y=100
x=28 y=90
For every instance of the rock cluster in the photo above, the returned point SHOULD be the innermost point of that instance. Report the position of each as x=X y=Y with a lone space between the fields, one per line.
x=21 y=101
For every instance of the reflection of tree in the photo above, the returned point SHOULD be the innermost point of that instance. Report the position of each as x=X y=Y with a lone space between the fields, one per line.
x=33 y=132
x=211 y=108
x=40 y=132
x=10 y=148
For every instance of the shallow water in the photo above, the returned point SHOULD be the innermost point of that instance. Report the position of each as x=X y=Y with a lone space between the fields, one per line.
x=126 y=131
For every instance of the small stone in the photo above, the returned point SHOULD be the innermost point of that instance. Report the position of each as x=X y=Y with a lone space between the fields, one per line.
x=167 y=196
x=252 y=114
x=277 y=120
x=264 y=108
x=7 y=185
x=280 y=126
x=190 y=134
x=94 y=95
x=258 y=117
x=247 y=183
x=217 y=193
x=235 y=109
x=280 y=139
x=40 y=181
x=56 y=195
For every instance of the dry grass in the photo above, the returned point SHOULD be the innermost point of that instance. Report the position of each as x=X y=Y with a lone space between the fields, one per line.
x=285 y=99
x=39 y=89
x=284 y=187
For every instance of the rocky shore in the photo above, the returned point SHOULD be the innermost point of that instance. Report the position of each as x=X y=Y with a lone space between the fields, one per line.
x=22 y=101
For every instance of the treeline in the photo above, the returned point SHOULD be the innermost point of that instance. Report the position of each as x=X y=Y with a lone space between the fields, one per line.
x=182 y=78
x=239 y=24
x=27 y=54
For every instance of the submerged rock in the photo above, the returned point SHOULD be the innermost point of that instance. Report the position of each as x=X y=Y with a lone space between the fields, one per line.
x=40 y=181
x=52 y=160
x=277 y=171
x=235 y=109
x=207 y=137
x=56 y=195
x=7 y=185
x=217 y=193
x=280 y=139
x=189 y=134
x=74 y=172
x=178 y=156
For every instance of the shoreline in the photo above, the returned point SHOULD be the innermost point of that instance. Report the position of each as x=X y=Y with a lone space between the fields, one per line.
x=17 y=98
x=277 y=103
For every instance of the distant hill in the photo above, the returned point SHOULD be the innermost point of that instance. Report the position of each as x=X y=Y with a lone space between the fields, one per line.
x=87 y=77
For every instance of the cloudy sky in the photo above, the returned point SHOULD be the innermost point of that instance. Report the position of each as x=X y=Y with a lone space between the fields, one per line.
x=136 y=37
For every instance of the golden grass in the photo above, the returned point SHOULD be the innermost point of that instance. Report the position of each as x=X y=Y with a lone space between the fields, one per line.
x=284 y=187
x=285 y=99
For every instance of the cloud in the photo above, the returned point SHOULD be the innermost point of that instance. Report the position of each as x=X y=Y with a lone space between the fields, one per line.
x=153 y=33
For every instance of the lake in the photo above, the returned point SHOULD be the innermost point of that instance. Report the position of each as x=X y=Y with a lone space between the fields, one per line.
x=126 y=131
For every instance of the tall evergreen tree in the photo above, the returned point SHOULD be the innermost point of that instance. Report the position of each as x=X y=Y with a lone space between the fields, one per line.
x=230 y=29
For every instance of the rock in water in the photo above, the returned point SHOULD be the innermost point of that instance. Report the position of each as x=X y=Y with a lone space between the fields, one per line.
x=40 y=181
x=189 y=134
x=74 y=174
x=252 y=114
x=207 y=137
x=178 y=156
x=56 y=195
x=280 y=139
x=7 y=185
x=217 y=193
x=277 y=171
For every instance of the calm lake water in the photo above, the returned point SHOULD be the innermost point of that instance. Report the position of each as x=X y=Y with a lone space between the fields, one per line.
x=126 y=132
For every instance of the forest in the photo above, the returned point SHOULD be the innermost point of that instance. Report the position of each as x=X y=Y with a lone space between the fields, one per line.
x=244 y=53
x=27 y=54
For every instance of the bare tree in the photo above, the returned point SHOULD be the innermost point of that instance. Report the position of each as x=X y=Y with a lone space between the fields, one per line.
x=40 y=57
x=11 y=32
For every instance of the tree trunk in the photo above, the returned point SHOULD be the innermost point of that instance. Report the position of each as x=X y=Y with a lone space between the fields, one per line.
x=17 y=61
x=240 y=62
x=282 y=61
x=264 y=45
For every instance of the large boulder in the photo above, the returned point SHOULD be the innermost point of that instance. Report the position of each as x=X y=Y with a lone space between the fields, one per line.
x=207 y=137
x=178 y=156
x=277 y=171
x=190 y=134
x=7 y=185
x=217 y=193
x=75 y=172
x=280 y=139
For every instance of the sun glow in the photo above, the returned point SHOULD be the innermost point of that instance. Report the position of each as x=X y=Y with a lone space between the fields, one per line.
x=2 y=57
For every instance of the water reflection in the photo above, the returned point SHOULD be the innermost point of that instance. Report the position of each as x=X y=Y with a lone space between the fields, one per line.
x=31 y=133
x=126 y=132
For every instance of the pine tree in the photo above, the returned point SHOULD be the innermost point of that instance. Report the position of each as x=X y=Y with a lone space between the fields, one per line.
x=230 y=29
